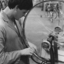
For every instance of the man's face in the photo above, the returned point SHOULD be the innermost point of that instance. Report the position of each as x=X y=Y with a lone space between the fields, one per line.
x=20 y=13
x=58 y=30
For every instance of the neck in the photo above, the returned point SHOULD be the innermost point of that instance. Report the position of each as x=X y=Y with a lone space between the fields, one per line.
x=9 y=13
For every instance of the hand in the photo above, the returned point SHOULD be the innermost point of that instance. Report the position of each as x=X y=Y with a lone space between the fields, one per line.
x=32 y=45
x=28 y=51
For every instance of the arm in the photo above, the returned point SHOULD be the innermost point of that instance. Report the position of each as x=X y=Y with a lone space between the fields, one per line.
x=9 y=57
x=6 y=57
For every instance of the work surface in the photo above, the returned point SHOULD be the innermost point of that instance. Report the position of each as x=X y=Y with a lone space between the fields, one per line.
x=35 y=28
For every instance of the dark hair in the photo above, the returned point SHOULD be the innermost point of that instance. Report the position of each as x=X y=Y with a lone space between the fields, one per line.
x=0 y=5
x=22 y=4
x=57 y=28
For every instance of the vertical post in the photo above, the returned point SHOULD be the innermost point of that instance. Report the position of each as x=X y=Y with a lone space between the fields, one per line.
x=55 y=52
x=51 y=40
x=52 y=54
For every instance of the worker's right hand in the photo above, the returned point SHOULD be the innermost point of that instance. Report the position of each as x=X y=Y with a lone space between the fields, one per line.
x=28 y=51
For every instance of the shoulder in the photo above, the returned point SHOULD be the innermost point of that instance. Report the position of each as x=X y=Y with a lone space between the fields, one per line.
x=1 y=19
x=2 y=25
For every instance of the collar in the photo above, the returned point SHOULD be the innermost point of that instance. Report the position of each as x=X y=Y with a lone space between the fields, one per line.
x=8 y=21
x=5 y=18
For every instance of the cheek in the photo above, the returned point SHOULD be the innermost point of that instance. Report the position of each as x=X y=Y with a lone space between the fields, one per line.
x=19 y=15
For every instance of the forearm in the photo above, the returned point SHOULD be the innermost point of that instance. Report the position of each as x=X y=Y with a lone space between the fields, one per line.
x=9 y=57
x=6 y=57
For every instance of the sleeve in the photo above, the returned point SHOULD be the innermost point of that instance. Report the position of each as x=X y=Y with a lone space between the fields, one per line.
x=7 y=57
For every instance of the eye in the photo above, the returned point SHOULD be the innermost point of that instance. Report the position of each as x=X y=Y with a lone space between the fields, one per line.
x=24 y=12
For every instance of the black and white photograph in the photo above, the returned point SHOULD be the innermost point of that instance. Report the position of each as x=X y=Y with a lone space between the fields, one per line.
x=31 y=31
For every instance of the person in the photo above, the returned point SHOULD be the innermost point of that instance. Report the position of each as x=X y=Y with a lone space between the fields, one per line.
x=3 y=5
x=0 y=5
x=14 y=48
x=58 y=29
